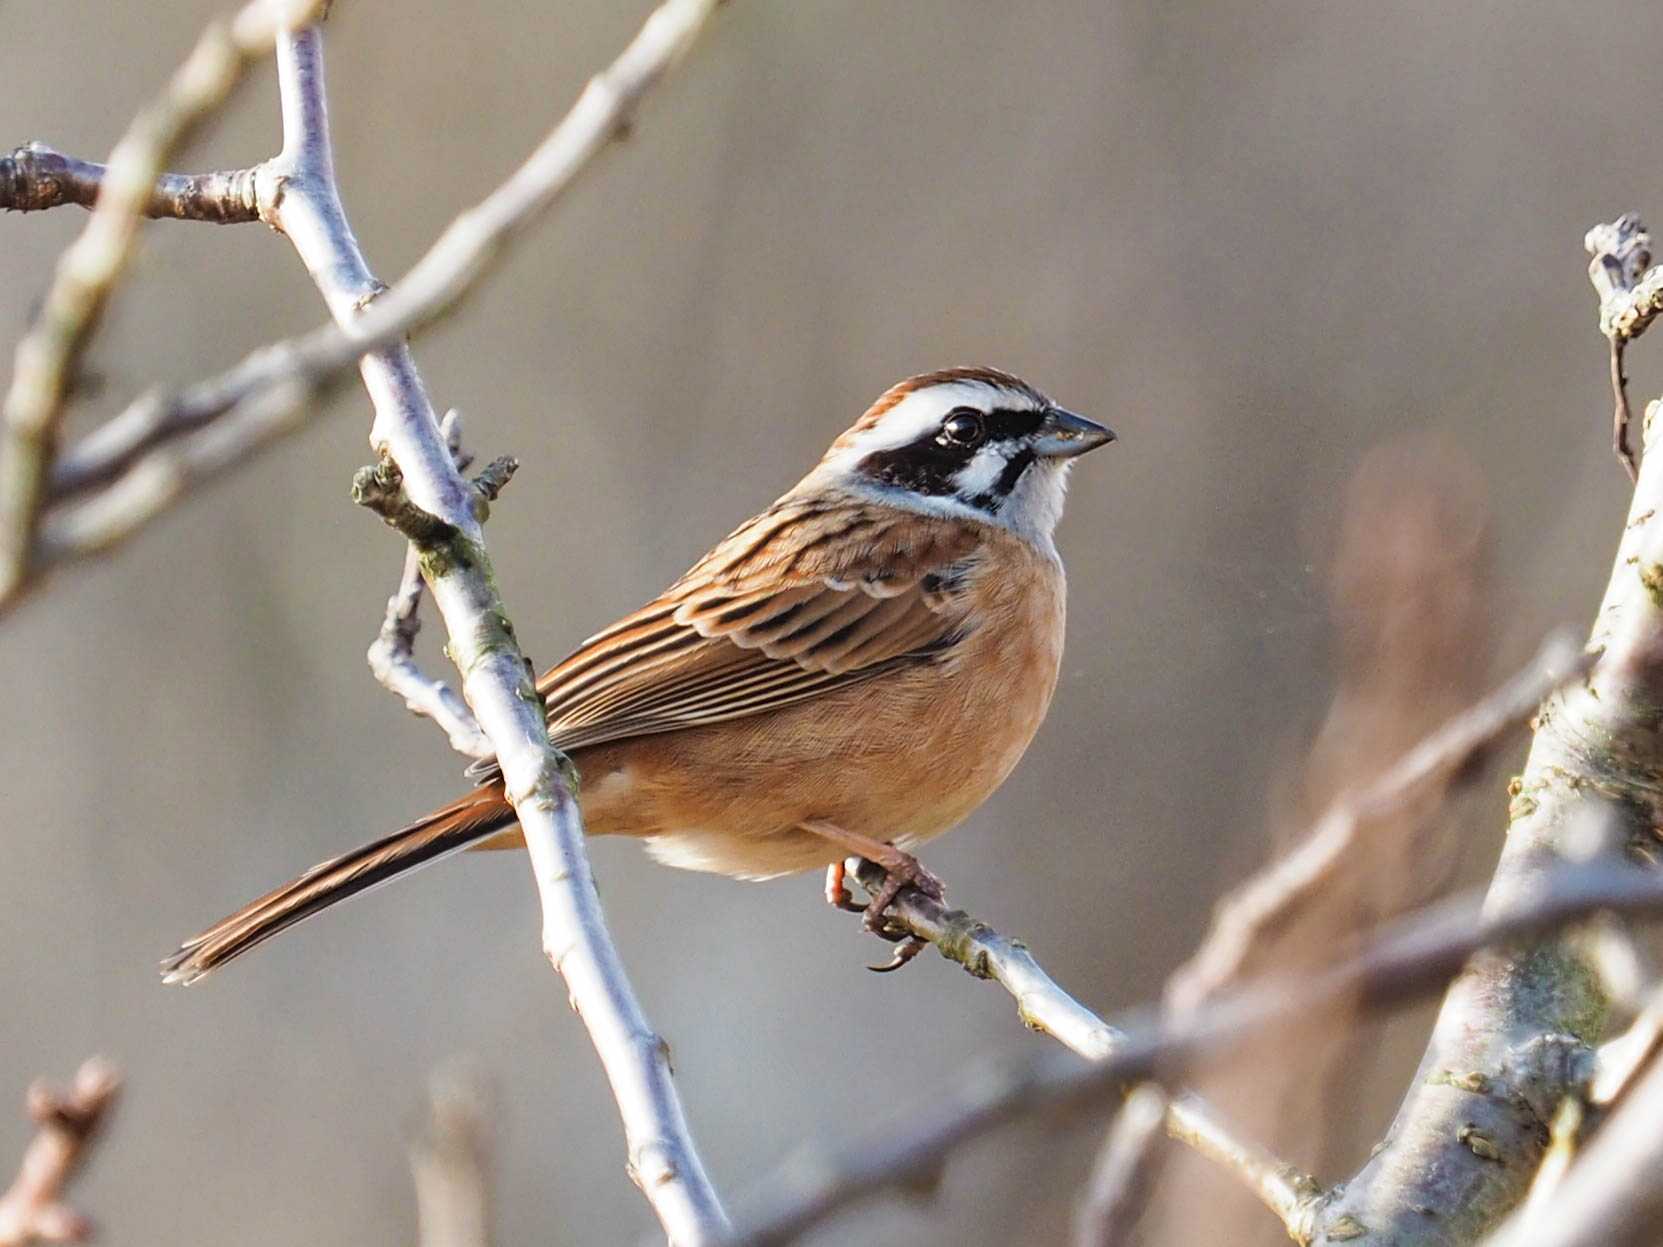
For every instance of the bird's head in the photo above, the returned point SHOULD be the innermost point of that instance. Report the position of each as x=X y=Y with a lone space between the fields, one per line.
x=975 y=443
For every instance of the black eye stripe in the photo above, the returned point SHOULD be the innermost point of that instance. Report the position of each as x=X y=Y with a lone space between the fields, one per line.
x=929 y=465
x=1006 y=424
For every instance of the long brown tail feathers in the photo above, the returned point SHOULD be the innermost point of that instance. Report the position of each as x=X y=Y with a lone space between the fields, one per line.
x=475 y=817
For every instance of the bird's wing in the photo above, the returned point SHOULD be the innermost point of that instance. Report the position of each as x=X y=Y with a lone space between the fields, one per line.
x=809 y=596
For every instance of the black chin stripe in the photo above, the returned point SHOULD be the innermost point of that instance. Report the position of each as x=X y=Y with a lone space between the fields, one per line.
x=994 y=498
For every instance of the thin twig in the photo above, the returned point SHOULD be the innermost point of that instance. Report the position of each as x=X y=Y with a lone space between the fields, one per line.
x=33 y=1211
x=417 y=485
x=392 y=656
x=439 y=280
x=1269 y=899
x=1045 y=1007
x=1405 y=960
x=1622 y=253
x=88 y=271
x=1621 y=416
x=35 y=177
x=1119 y=1183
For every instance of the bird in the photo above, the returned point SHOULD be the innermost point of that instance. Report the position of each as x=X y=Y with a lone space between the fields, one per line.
x=852 y=671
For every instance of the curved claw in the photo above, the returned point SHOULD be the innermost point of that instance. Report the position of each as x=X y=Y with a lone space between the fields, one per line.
x=905 y=950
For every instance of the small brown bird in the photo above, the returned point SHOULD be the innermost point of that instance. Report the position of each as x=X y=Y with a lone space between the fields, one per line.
x=854 y=670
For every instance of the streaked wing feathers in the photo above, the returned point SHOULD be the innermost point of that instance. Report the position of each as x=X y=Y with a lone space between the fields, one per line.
x=806 y=597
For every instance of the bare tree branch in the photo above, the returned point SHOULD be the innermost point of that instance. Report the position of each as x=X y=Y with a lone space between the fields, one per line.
x=1406 y=960
x=88 y=271
x=1045 y=1007
x=311 y=364
x=443 y=514
x=33 y=1211
x=1516 y=1030
x=35 y=177
x=1610 y=1197
x=1275 y=893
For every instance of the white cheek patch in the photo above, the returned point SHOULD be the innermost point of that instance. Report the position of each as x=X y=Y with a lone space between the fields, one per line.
x=981 y=474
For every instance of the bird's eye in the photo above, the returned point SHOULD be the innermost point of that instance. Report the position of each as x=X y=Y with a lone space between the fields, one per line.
x=962 y=428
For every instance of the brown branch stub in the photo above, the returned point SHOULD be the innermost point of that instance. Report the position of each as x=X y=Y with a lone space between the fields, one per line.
x=494 y=479
x=67 y=1124
x=380 y=487
x=35 y=178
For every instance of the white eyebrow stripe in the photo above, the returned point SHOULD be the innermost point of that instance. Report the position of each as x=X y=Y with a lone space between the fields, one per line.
x=922 y=412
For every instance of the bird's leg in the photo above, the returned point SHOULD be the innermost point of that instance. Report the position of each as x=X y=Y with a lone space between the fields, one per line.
x=902 y=869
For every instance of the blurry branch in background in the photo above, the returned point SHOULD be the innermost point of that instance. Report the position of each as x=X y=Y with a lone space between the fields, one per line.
x=450 y=1162
x=1407 y=543
x=392 y=655
x=1404 y=961
x=1275 y=894
x=1119 y=1182
x=150 y=455
x=67 y=1125
x=43 y=372
x=1516 y=1035
x=1045 y=1007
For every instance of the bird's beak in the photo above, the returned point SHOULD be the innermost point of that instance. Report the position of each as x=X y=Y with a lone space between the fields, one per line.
x=1062 y=435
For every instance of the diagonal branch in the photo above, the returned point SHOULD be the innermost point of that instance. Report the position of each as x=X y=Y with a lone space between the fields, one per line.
x=1404 y=961
x=1045 y=1007
x=418 y=487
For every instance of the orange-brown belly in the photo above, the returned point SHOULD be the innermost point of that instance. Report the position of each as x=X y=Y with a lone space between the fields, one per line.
x=902 y=757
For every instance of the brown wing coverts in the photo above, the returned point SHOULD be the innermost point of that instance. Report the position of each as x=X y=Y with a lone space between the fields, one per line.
x=809 y=595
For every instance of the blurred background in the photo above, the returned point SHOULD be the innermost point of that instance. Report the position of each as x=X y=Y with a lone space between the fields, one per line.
x=1319 y=265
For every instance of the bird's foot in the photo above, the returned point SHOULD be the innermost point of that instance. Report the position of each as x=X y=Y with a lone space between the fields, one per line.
x=901 y=870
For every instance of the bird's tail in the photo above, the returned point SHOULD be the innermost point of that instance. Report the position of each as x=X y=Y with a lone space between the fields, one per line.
x=480 y=814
